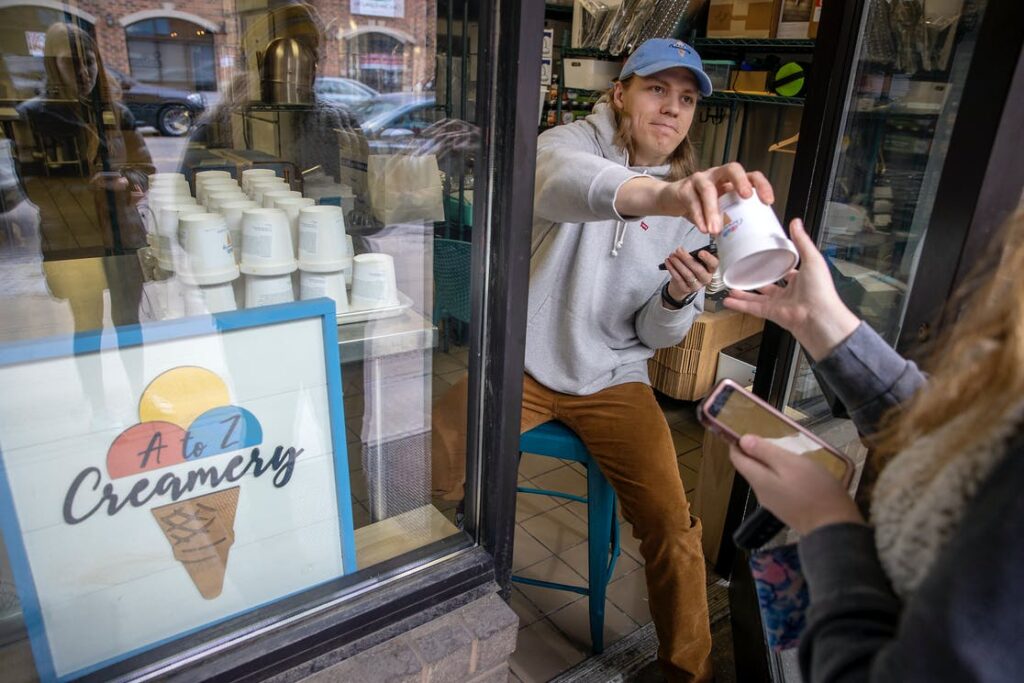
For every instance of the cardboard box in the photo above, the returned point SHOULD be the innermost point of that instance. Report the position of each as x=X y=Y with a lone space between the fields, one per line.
x=741 y=18
x=795 y=19
x=687 y=371
x=751 y=82
x=812 y=28
x=738 y=361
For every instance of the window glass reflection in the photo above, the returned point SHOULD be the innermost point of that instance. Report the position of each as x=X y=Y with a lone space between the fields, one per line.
x=171 y=164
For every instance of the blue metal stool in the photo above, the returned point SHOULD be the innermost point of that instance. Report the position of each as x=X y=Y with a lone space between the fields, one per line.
x=556 y=440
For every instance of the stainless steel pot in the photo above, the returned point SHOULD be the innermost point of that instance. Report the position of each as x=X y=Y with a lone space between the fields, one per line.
x=287 y=71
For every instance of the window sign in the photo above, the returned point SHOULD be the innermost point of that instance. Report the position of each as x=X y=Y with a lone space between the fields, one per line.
x=379 y=8
x=210 y=477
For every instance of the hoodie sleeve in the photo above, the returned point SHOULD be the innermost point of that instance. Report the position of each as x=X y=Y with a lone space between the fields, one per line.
x=575 y=184
x=659 y=327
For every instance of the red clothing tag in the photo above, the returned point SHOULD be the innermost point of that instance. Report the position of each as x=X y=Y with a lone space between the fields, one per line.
x=644 y=226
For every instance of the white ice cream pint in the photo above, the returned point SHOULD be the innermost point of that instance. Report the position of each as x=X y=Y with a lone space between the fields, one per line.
x=753 y=250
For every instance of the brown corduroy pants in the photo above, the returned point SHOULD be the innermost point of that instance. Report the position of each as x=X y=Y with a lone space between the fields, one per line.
x=627 y=435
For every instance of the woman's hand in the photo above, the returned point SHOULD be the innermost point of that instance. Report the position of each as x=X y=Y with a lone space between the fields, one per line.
x=808 y=306
x=688 y=274
x=695 y=198
x=797 y=490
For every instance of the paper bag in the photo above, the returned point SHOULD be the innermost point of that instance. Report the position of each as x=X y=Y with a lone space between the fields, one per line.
x=404 y=188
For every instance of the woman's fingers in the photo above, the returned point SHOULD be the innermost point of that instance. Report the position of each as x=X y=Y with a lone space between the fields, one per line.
x=770 y=290
x=754 y=471
x=804 y=244
x=756 y=308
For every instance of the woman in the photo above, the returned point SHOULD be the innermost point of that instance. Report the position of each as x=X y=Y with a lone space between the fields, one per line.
x=79 y=110
x=930 y=591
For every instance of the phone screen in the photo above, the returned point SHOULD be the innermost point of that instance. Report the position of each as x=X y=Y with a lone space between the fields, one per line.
x=736 y=411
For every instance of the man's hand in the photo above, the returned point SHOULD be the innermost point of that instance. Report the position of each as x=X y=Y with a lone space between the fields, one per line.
x=694 y=198
x=688 y=274
x=794 y=488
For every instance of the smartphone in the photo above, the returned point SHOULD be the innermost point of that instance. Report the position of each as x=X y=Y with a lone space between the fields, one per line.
x=731 y=411
x=711 y=247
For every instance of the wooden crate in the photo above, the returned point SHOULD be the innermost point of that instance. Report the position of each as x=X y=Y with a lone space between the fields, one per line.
x=687 y=371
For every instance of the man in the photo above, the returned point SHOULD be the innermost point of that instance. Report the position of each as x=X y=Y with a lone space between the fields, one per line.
x=611 y=192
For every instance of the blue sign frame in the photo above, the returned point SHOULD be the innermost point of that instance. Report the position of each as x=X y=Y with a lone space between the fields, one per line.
x=132 y=335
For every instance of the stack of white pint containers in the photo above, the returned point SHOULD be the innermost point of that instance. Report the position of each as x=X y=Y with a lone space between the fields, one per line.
x=207 y=267
x=265 y=230
x=268 y=257
x=166 y=190
x=325 y=254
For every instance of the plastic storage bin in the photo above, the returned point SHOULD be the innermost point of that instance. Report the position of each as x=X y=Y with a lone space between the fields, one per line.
x=590 y=74
x=719 y=71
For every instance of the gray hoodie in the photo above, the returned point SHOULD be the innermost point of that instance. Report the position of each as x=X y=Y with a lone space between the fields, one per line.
x=595 y=313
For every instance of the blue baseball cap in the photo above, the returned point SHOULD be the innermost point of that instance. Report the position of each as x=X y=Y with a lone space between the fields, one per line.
x=658 y=54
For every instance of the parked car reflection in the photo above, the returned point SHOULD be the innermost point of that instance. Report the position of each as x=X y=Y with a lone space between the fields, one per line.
x=172 y=112
x=345 y=91
x=396 y=121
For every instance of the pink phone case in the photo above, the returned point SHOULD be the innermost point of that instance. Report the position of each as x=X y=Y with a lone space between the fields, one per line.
x=712 y=423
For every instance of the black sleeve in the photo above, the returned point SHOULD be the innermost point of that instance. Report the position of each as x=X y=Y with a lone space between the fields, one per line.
x=964 y=622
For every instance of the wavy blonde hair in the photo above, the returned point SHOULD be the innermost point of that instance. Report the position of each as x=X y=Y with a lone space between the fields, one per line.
x=977 y=367
x=682 y=161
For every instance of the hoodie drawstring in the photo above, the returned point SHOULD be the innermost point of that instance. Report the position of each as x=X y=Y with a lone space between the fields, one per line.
x=620 y=228
x=620 y=237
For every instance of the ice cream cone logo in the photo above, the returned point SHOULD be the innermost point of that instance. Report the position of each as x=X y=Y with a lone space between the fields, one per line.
x=201 y=531
x=185 y=415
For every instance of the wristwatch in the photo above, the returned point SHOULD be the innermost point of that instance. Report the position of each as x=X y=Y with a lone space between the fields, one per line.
x=677 y=303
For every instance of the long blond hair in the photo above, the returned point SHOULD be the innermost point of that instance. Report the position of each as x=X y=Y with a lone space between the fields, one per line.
x=682 y=161
x=977 y=367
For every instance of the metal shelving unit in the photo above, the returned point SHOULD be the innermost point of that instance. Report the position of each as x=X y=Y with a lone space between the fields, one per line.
x=557 y=12
x=752 y=44
x=728 y=98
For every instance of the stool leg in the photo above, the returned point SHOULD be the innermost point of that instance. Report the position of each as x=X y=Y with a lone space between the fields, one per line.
x=600 y=517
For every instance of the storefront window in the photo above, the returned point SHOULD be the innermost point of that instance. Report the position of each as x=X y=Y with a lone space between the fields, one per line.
x=899 y=118
x=235 y=247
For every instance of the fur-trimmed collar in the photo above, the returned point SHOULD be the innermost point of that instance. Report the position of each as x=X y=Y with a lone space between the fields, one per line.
x=920 y=497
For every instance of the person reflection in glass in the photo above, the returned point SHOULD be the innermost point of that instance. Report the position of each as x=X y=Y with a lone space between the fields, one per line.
x=79 y=117
x=306 y=133
x=79 y=113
